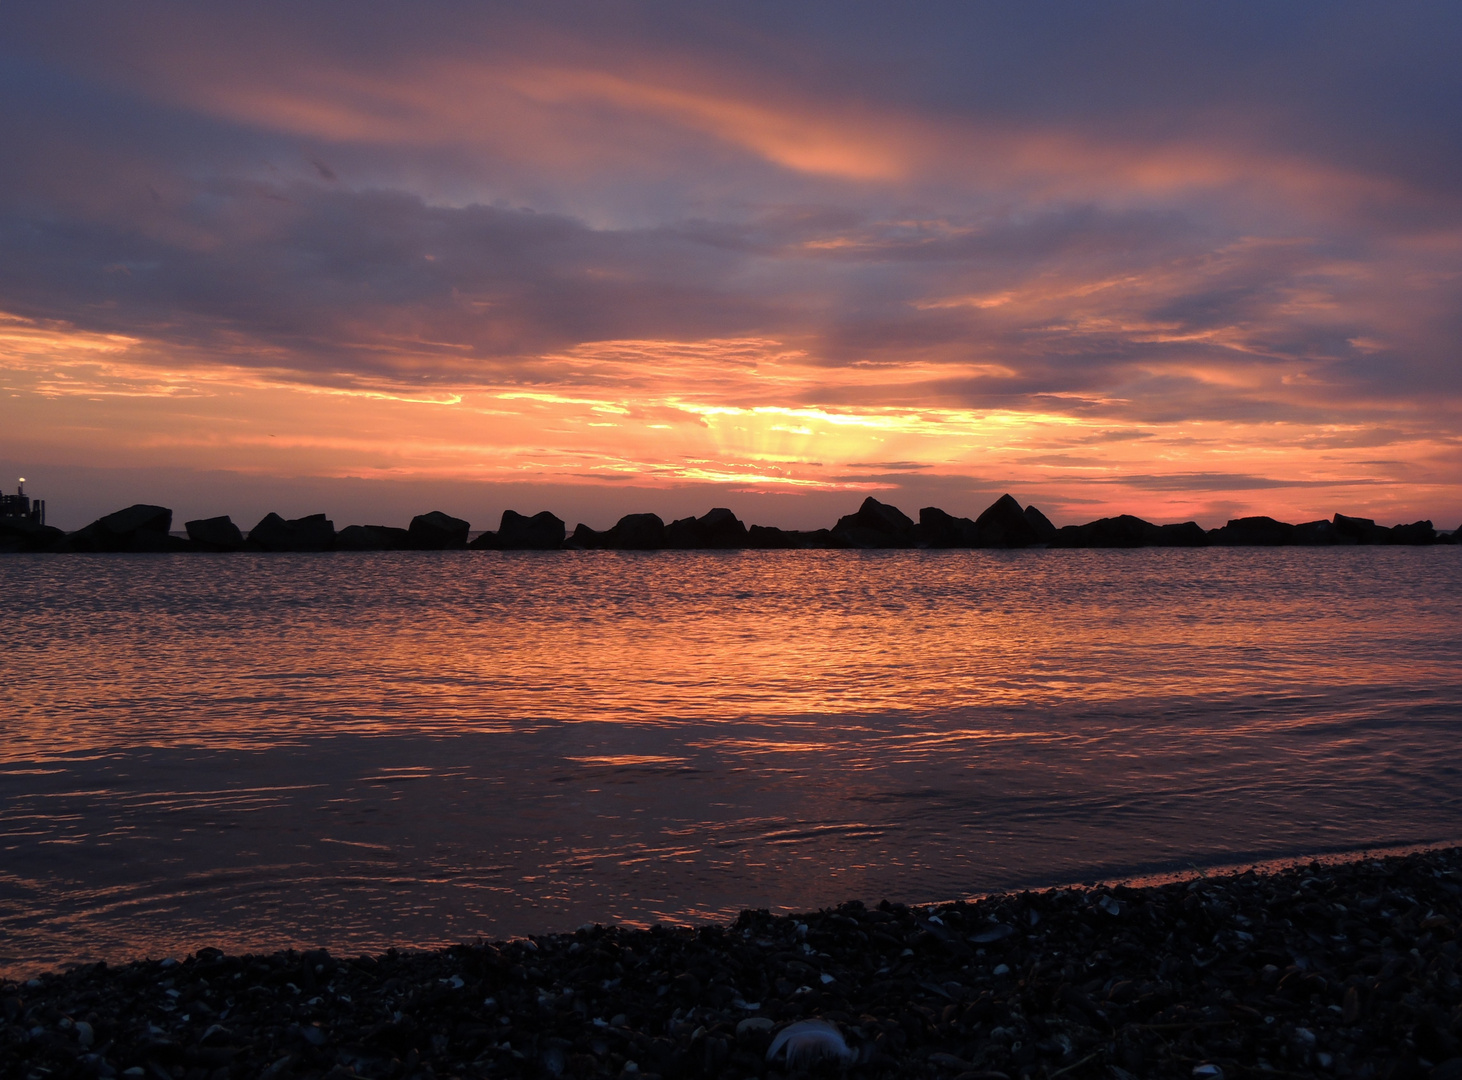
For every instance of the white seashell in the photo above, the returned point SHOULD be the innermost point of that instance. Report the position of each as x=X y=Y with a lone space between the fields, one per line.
x=808 y=1041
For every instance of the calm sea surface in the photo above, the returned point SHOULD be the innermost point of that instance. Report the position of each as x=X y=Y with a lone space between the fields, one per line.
x=360 y=750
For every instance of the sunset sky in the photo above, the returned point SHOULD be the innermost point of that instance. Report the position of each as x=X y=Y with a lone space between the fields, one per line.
x=1185 y=261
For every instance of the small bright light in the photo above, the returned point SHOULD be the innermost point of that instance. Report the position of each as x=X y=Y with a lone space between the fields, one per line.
x=22 y=479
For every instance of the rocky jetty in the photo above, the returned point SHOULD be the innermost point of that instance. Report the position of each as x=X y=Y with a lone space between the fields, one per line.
x=771 y=538
x=942 y=530
x=1417 y=533
x=1003 y=524
x=215 y=534
x=21 y=535
x=1254 y=532
x=1342 y=529
x=719 y=528
x=437 y=531
x=1344 y=970
x=516 y=532
x=372 y=538
x=140 y=527
x=313 y=533
x=1126 y=531
x=633 y=532
x=876 y=525
x=1045 y=531
x=1359 y=530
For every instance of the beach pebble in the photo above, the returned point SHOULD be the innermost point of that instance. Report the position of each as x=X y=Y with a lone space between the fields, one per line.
x=1167 y=985
x=993 y=934
x=808 y=1042
x=1350 y=1007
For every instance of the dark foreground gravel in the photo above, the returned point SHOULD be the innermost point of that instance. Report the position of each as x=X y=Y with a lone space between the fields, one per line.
x=1337 y=970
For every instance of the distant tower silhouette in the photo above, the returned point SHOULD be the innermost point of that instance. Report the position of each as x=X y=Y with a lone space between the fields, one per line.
x=20 y=506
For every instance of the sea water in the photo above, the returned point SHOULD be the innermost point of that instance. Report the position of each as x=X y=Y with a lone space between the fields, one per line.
x=364 y=750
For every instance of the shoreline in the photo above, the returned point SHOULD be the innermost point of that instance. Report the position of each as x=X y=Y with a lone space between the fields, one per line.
x=1109 y=877
x=1336 y=968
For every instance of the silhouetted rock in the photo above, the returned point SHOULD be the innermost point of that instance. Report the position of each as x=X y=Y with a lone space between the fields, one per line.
x=584 y=538
x=1359 y=530
x=437 y=531
x=938 y=529
x=1320 y=533
x=875 y=525
x=1416 y=534
x=215 y=534
x=1127 y=531
x=23 y=535
x=315 y=532
x=372 y=538
x=1122 y=531
x=1045 y=531
x=138 y=528
x=1253 y=532
x=1185 y=534
x=771 y=538
x=719 y=528
x=541 y=532
x=635 y=532
x=1070 y=536
x=1004 y=525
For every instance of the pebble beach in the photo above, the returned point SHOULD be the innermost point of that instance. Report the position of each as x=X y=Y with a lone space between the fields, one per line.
x=1341 y=969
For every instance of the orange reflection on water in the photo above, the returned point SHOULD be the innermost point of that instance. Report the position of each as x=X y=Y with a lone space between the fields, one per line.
x=361 y=751
x=490 y=641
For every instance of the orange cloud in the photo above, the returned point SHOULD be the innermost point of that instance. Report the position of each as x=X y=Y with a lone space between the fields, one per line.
x=672 y=413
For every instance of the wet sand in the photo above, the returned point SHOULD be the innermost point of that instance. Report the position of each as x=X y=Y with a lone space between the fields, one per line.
x=1345 y=969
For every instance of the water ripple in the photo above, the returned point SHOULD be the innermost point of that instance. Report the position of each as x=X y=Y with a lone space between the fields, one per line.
x=365 y=750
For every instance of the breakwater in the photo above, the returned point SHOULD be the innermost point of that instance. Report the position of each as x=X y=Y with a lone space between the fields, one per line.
x=1004 y=524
